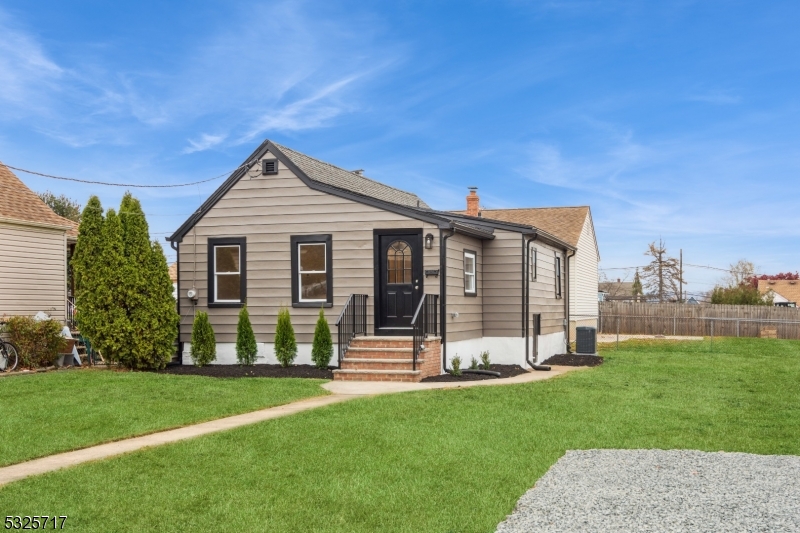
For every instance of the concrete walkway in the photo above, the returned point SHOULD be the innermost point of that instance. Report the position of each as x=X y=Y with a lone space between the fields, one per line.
x=389 y=387
x=341 y=391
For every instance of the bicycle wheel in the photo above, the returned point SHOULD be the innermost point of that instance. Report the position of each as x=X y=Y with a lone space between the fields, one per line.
x=8 y=357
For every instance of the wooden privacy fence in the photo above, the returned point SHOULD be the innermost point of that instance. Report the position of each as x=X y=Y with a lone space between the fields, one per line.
x=631 y=318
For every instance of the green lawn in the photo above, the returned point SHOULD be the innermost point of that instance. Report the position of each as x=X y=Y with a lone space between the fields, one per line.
x=42 y=414
x=448 y=460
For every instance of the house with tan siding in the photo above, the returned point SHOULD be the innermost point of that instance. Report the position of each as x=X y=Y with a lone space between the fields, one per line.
x=405 y=287
x=34 y=245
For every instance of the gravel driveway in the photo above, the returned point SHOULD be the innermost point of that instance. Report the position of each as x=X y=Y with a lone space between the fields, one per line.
x=657 y=490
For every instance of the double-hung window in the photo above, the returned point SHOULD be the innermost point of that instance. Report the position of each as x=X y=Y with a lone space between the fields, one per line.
x=312 y=276
x=470 y=277
x=558 y=276
x=227 y=269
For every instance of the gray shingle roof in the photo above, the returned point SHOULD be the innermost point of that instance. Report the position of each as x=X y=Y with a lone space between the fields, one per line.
x=334 y=176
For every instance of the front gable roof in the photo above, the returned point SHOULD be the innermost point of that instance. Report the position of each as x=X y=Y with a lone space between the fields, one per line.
x=324 y=177
x=20 y=204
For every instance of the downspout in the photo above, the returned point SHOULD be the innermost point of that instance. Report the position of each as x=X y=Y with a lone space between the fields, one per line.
x=176 y=246
x=527 y=305
x=567 y=257
x=443 y=292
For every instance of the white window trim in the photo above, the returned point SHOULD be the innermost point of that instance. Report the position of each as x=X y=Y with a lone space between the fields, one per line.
x=216 y=275
x=533 y=267
x=473 y=274
x=300 y=270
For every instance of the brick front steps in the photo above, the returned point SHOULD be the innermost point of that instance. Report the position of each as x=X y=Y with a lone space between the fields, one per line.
x=389 y=359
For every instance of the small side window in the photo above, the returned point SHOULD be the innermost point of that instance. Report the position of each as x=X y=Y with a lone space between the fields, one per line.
x=470 y=277
x=558 y=276
x=532 y=264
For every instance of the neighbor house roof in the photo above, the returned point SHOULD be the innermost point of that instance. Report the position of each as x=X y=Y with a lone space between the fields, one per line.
x=565 y=223
x=323 y=172
x=788 y=288
x=20 y=204
x=616 y=288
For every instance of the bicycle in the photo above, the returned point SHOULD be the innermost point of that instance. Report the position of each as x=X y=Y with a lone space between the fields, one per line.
x=8 y=356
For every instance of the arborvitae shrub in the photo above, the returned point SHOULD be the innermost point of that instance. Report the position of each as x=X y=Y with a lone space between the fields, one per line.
x=204 y=344
x=322 y=349
x=473 y=364
x=485 y=362
x=455 y=365
x=285 y=343
x=246 y=347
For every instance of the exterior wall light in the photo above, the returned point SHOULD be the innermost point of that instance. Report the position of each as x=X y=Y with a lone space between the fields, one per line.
x=428 y=241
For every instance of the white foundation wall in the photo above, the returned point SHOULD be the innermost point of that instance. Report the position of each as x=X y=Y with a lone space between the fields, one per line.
x=502 y=351
x=505 y=350
x=226 y=354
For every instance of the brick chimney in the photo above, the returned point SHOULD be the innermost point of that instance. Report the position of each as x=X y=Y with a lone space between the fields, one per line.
x=473 y=202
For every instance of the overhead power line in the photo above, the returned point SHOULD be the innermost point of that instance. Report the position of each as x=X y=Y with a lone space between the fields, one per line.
x=130 y=185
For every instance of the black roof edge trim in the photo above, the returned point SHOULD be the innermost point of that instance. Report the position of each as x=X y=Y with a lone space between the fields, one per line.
x=472 y=231
x=442 y=222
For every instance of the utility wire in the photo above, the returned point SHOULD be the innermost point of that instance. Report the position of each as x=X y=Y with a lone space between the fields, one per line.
x=131 y=185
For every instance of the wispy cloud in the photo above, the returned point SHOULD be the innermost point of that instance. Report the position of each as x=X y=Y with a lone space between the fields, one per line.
x=205 y=142
x=26 y=71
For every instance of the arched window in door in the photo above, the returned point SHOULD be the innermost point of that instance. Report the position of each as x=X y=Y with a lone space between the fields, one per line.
x=398 y=262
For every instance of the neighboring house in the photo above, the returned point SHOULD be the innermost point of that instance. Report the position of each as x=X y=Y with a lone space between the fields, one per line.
x=616 y=290
x=34 y=246
x=574 y=226
x=288 y=230
x=785 y=292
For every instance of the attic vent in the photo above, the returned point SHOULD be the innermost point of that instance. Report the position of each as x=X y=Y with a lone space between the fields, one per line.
x=269 y=166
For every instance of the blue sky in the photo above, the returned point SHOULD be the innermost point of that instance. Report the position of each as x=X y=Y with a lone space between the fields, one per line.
x=671 y=119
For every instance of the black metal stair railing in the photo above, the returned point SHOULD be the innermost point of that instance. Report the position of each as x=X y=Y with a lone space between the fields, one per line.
x=351 y=323
x=425 y=323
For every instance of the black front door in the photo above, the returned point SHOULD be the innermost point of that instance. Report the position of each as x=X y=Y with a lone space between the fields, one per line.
x=398 y=286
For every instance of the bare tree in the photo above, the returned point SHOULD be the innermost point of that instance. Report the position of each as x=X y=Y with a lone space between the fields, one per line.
x=740 y=272
x=662 y=276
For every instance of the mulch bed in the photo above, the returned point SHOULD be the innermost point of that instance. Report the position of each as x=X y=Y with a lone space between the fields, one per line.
x=574 y=359
x=506 y=371
x=257 y=371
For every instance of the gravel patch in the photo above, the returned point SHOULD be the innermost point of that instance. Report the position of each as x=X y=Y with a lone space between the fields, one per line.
x=660 y=490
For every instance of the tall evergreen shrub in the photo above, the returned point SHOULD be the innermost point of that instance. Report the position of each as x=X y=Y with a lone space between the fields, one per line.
x=246 y=347
x=104 y=318
x=161 y=311
x=87 y=253
x=322 y=349
x=204 y=344
x=285 y=343
x=124 y=295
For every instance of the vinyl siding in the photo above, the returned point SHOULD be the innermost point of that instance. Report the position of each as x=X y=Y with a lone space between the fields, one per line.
x=543 y=298
x=267 y=210
x=583 y=276
x=502 y=285
x=469 y=324
x=33 y=266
